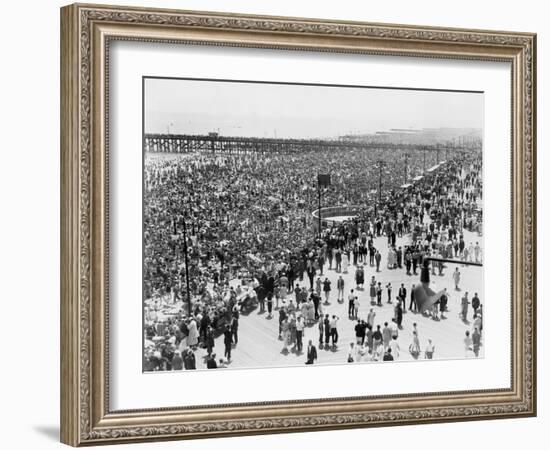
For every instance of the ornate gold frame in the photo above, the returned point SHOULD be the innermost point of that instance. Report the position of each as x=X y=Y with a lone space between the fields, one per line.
x=86 y=31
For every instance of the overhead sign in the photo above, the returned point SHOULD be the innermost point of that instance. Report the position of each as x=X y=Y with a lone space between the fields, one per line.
x=323 y=179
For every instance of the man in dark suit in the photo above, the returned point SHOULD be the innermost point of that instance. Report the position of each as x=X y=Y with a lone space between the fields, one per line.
x=412 y=305
x=403 y=295
x=311 y=353
x=228 y=341
x=399 y=257
x=326 y=323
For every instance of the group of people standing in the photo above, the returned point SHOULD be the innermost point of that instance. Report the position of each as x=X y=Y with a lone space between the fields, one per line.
x=286 y=264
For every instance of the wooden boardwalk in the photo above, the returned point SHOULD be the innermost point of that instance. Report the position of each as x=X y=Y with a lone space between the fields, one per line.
x=259 y=346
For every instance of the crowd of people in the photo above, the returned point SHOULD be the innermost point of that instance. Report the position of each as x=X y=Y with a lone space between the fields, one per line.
x=245 y=220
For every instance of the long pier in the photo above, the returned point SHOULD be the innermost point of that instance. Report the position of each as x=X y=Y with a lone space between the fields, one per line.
x=214 y=143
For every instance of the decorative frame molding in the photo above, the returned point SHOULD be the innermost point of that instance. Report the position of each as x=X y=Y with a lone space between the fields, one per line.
x=86 y=31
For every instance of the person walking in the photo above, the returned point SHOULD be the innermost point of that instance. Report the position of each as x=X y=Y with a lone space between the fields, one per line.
x=326 y=290
x=318 y=286
x=430 y=349
x=351 y=305
x=370 y=318
x=372 y=252
x=300 y=325
x=372 y=291
x=477 y=253
x=476 y=303
x=402 y=295
x=378 y=258
x=326 y=324
x=282 y=317
x=285 y=331
x=338 y=258
x=386 y=335
x=412 y=305
x=209 y=340
x=377 y=338
x=321 y=328
x=269 y=299
x=340 y=286
x=334 y=330
x=464 y=307
x=311 y=353
x=388 y=290
x=478 y=322
x=399 y=257
x=476 y=342
x=228 y=341
x=193 y=338
x=321 y=262
x=369 y=338
x=379 y=294
x=468 y=344
x=394 y=347
x=408 y=261
x=345 y=261
x=310 y=274
x=456 y=279
x=235 y=325
x=443 y=300
x=414 y=347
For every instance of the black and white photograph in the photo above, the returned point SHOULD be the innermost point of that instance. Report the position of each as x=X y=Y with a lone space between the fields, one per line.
x=289 y=224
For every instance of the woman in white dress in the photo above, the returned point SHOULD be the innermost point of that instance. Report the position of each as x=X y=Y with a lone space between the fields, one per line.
x=456 y=278
x=345 y=262
x=391 y=258
x=414 y=348
x=193 y=338
x=310 y=317
x=303 y=310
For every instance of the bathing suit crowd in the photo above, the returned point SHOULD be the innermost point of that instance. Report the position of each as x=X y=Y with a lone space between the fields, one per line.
x=252 y=245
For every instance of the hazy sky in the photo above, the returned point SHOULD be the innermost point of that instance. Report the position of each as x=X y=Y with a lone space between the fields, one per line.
x=268 y=110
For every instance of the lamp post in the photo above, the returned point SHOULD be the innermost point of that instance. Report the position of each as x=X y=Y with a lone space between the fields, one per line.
x=186 y=253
